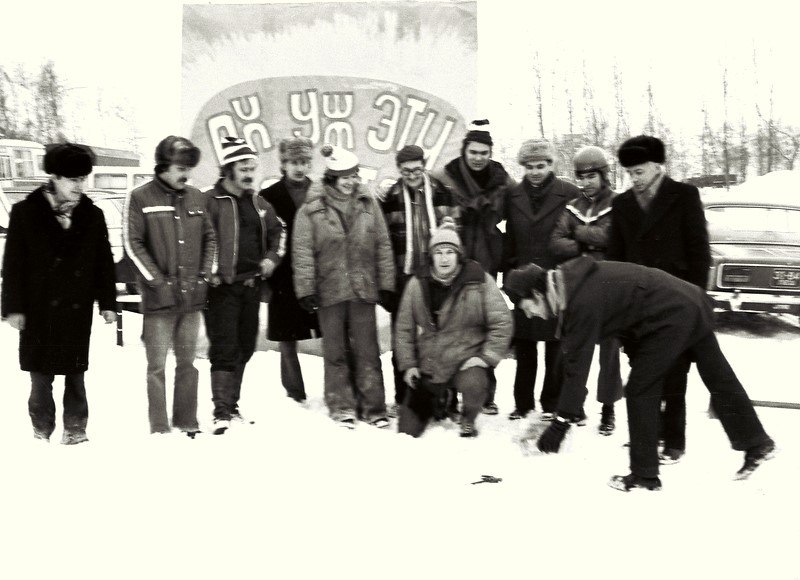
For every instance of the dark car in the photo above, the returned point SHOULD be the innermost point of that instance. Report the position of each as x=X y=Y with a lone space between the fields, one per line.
x=754 y=232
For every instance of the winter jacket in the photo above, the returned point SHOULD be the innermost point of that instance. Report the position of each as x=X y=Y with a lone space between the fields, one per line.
x=394 y=209
x=53 y=276
x=339 y=261
x=224 y=212
x=671 y=236
x=480 y=236
x=474 y=320
x=646 y=308
x=170 y=239
x=583 y=227
x=527 y=241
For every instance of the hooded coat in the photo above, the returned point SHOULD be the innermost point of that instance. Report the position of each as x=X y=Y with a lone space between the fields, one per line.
x=54 y=276
x=339 y=261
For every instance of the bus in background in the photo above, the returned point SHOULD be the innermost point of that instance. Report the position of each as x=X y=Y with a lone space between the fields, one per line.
x=118 y=170
x=21 y=164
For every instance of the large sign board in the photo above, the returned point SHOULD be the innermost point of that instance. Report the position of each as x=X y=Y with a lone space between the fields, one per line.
x=371 y=78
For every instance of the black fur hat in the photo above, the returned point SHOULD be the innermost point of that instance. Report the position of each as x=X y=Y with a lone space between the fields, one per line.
x=641 y=149
x=68 y=159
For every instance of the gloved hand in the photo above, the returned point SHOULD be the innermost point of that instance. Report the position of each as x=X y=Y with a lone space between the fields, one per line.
x=266 y=267
x=411 y=377
x=309 y=303
x=388 y=300
x=550 y=440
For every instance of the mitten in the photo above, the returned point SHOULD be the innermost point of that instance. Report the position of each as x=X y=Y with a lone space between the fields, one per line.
x=309 y=303
x=550 y=440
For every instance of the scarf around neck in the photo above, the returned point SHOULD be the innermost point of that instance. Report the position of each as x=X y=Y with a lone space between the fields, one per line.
x=428 y=200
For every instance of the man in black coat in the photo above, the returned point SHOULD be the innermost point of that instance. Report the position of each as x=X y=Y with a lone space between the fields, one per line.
x=533 y=209
x=659 y=318
x=57 y=263
x=287 y=322
x=659 y=222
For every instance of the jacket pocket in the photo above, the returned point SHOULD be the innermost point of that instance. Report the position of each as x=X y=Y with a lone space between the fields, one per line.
x=159 y=297
x=198 y=293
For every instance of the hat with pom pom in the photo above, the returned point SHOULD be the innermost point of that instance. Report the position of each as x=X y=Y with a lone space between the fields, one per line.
x=446 y=234
x=339 y=161
x=478 y=131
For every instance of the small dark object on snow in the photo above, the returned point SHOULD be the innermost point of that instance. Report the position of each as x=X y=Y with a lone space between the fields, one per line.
x=488 y=479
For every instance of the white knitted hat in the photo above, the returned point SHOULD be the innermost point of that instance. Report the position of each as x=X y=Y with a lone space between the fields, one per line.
x=339 y=161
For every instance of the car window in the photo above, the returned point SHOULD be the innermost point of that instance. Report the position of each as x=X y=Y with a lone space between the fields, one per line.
x=767 y=223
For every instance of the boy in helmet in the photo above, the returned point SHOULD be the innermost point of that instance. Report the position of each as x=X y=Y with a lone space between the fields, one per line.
x=583 y=228
x=170 y=240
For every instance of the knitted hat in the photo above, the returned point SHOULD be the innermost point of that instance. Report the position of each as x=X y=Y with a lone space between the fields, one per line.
x=295 y=149
x=339 y=161
x=445 y=234
x=236 y=149
x=410 y=153
x=175 y=150
x=478 y=132
x=68 y=159
x=535 y=150
x=641 y=149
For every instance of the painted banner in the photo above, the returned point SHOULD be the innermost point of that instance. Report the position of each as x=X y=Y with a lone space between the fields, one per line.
x=371 y=78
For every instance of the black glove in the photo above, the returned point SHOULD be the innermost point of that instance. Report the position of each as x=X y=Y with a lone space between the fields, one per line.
x=388 y=300
x=550 y=440
x=309 y=303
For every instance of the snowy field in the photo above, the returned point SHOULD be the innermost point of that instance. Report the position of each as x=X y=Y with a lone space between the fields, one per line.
x=294 y=496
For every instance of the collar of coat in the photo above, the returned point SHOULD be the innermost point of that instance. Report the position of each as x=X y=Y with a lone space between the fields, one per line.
x=316 y=202
x=40 y=202
x=471 y=273
x=498 y=176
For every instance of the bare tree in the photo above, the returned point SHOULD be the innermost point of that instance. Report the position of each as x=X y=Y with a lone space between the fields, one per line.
x=537 y=91
x=49 y=96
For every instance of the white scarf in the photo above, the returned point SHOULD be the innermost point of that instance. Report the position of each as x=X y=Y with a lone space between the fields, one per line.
x=556 y=296
x=428 y=191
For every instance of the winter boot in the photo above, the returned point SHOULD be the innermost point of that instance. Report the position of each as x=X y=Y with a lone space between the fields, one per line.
x=490 y=408
x=222 y=391
x=631 y=481
x=468 y=428
x=73 y=437
x=607 y=420
x=754 y=457
x=516 y=415
x=220 y=426
x=670 y=456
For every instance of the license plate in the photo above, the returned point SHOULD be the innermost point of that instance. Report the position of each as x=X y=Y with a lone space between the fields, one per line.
x=782 y=278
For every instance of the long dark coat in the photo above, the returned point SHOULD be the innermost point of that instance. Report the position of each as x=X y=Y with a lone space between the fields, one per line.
x=671 y=236
x=286 y=320
x=53 y=276
x=527 y=241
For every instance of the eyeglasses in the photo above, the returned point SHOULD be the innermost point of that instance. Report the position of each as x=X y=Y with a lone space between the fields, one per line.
x=414 y=171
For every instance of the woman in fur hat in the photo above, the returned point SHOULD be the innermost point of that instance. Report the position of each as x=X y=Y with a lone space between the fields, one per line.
x=343 y=266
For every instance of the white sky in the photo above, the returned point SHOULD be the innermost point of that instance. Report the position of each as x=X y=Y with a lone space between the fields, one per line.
x=133 y=50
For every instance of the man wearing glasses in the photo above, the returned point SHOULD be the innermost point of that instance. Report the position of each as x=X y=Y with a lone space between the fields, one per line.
x=414 y=206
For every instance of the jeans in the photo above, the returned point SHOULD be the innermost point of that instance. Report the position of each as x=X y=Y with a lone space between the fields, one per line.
x=353 y=377
x=42 y=408
x=160 y=332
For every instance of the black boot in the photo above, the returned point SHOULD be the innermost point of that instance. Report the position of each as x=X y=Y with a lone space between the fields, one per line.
x=754 y=457
x=607 y=419
x=631 y=481
x=222 y=384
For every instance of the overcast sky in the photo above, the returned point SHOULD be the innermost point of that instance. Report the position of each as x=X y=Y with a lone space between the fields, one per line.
x=133 y=50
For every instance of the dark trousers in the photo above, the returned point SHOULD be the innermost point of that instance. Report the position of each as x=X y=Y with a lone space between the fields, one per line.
x=609 y=380
x=291 y=373
x=351 y=356
x=232 y=327
x=420 y=403
x=400 y=386
x=644 y=391
x=525 y=379
x=673 y=415
x=42 y=407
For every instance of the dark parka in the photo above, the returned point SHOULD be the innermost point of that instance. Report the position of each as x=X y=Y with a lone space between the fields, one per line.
x=527 y=241
x=671 y=236
x=473 y=321
x=583 y=227
x=286 y=319
x=53 y=276
x=481 y=239
x=649 y=310
x=337 y=264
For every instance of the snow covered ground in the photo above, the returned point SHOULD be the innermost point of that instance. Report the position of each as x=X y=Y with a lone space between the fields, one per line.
x=294 y=496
